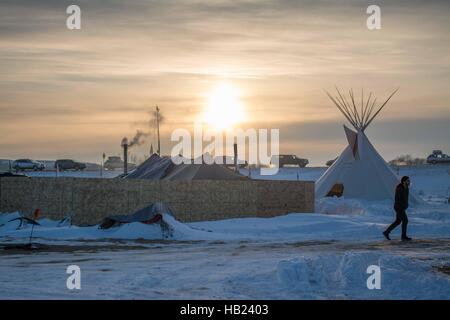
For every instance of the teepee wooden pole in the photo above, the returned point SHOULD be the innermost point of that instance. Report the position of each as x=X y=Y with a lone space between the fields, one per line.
x=370 y=111
x=344 y=107
x=339 y=107
x=348 y=109
x=366 y=108
x=352 y=97
x=359 y=117
x=362 y=106
x=382 y=106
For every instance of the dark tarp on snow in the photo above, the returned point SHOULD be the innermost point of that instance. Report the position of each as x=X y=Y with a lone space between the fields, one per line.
x=24 y=221
x=11 y=174
x=148 y=215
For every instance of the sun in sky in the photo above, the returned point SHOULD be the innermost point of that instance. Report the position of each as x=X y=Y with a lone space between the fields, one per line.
x=224 y=108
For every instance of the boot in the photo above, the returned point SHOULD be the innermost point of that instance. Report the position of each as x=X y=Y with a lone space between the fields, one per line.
x=406 y=238
x=386 y=235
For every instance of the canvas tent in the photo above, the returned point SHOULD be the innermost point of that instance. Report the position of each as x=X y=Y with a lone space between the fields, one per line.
x=154 y=168
x=203 y=172
x=360 y=171
x=162 y=168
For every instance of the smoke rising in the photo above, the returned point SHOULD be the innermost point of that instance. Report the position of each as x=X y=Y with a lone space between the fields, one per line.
x=138 y=139
x=150 y=124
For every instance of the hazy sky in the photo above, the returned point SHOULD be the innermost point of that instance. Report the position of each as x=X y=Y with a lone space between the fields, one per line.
x=76 y=93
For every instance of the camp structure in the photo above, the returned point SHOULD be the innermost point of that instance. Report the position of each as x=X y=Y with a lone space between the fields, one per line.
x=359 y=172
x=154 y=168
x=162 y=168
x=203 y=172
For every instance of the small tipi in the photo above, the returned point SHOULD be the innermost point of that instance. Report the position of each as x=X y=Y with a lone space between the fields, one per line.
x=359 y=172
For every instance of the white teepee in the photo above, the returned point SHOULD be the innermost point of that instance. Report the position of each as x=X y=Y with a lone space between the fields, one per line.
x=359 y=172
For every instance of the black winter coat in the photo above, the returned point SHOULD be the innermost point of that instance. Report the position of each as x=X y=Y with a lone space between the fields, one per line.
x=401 y=197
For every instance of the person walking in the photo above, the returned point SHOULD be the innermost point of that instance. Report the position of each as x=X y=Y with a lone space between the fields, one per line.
x=400 y=206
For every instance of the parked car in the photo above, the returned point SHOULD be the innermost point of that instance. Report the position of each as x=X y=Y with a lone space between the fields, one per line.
x=68 y=164
x=291 y=160
x=28 y=164
x=438 y=157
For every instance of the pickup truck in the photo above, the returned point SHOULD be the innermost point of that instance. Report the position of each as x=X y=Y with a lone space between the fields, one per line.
x=290 y=160
x=68 y=164
x=438 y=157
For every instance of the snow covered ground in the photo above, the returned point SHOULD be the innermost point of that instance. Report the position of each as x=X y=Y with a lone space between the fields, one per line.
x=297 y=256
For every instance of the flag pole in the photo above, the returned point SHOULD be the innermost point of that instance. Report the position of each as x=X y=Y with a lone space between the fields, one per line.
x=157 y=127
